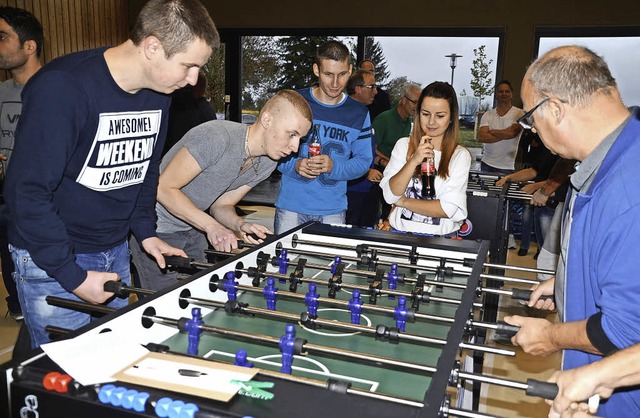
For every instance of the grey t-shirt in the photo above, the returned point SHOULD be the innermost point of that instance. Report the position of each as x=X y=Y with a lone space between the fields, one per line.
x=219 y=148
x=10 y=110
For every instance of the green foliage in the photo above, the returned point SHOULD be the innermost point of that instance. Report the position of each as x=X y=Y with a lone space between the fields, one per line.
x=467 y=138
x=395 y=88
x=270 y=64
x=295 y=56
x=373 y=51
x=481 y=82
x=259 y=69
x=214 y=71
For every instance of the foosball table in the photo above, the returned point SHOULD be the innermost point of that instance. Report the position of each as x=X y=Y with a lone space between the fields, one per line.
x=489 y=215
x=328 y=321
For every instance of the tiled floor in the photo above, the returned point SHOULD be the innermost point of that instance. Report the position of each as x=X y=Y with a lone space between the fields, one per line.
x=503 y=402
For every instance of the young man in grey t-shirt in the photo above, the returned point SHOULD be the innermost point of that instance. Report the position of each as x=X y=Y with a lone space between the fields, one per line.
x=209 y=171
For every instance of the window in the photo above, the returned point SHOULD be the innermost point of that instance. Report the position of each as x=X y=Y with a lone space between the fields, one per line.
x=617 y=46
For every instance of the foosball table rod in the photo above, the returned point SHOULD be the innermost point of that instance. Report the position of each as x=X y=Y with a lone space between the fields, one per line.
x=515 y=293
x=431 y=269
x=252 y=272
x=121 y=290
x=413 y=255
x=391 y=334
x=532 y=387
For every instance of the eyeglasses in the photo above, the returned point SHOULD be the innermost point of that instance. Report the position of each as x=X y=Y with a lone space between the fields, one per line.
x=369 y=86
x=526 y=121
x=411 y=100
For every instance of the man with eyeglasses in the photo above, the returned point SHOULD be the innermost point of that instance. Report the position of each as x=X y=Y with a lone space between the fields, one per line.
x=596 y=290
x=390 y=126
x=362 y=200
x=500 y=133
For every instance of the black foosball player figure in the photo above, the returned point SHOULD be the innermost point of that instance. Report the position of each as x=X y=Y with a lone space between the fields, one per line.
x=287 y=346
x=400 y=313
x=355 y=306
x=311 y=300
x=194 y=331
x=270 y=293
x=392 y=278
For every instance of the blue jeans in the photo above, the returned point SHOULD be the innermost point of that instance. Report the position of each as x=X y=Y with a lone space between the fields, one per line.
x=542 y=218
x=34 y=285
x=527 y=226
x=286 y=219
x=487 y=168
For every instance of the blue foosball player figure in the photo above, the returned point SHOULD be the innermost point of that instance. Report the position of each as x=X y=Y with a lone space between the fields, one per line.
x=230 y=285
x=336 y=262
x=311 y=300
x=194 y=331
x=355 y=306
x=270 y=293
x=392 y=278
x=241 y=359
x=283 y=264
x=287 y=345
x=400 y=313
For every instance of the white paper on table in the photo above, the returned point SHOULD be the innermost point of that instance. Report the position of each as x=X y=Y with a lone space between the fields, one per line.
x=94 y=358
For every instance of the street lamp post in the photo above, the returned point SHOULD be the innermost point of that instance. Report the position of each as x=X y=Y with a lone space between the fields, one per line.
x=453 y=57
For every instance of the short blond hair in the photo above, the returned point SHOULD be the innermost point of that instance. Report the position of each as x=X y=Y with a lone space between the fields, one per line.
x=292 y=97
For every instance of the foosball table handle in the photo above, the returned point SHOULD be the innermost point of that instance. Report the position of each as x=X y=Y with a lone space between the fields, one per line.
x=523 y=294
x=116 y=287
x=545 y=390
x=177 y=261
x=507 y=330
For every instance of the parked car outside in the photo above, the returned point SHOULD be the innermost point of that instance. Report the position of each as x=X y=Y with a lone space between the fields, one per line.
x=248 y=118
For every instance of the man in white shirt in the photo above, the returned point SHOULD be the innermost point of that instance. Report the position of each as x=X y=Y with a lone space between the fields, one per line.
x=500 y=133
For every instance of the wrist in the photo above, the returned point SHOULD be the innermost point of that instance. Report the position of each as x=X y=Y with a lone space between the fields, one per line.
x=542 y=192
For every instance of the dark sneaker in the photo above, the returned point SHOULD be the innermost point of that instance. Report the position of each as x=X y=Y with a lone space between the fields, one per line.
x=16 y=316
x=522 y=252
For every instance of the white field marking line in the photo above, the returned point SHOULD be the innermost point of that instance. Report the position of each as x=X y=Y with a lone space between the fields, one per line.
x=323 y=372
x=328 y=334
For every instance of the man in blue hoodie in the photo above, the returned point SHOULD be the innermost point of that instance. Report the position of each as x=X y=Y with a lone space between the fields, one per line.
x=314 y=187
x=575 y=107
x=84 y=170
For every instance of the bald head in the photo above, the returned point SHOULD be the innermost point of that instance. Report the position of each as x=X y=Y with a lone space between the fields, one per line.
x=573 y=100
x=572 y=73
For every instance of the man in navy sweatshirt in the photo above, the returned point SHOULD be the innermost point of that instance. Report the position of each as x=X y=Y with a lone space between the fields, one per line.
x=84 y=170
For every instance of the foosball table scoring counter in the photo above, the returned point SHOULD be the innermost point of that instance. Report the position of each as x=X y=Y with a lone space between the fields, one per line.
x=335 y=321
